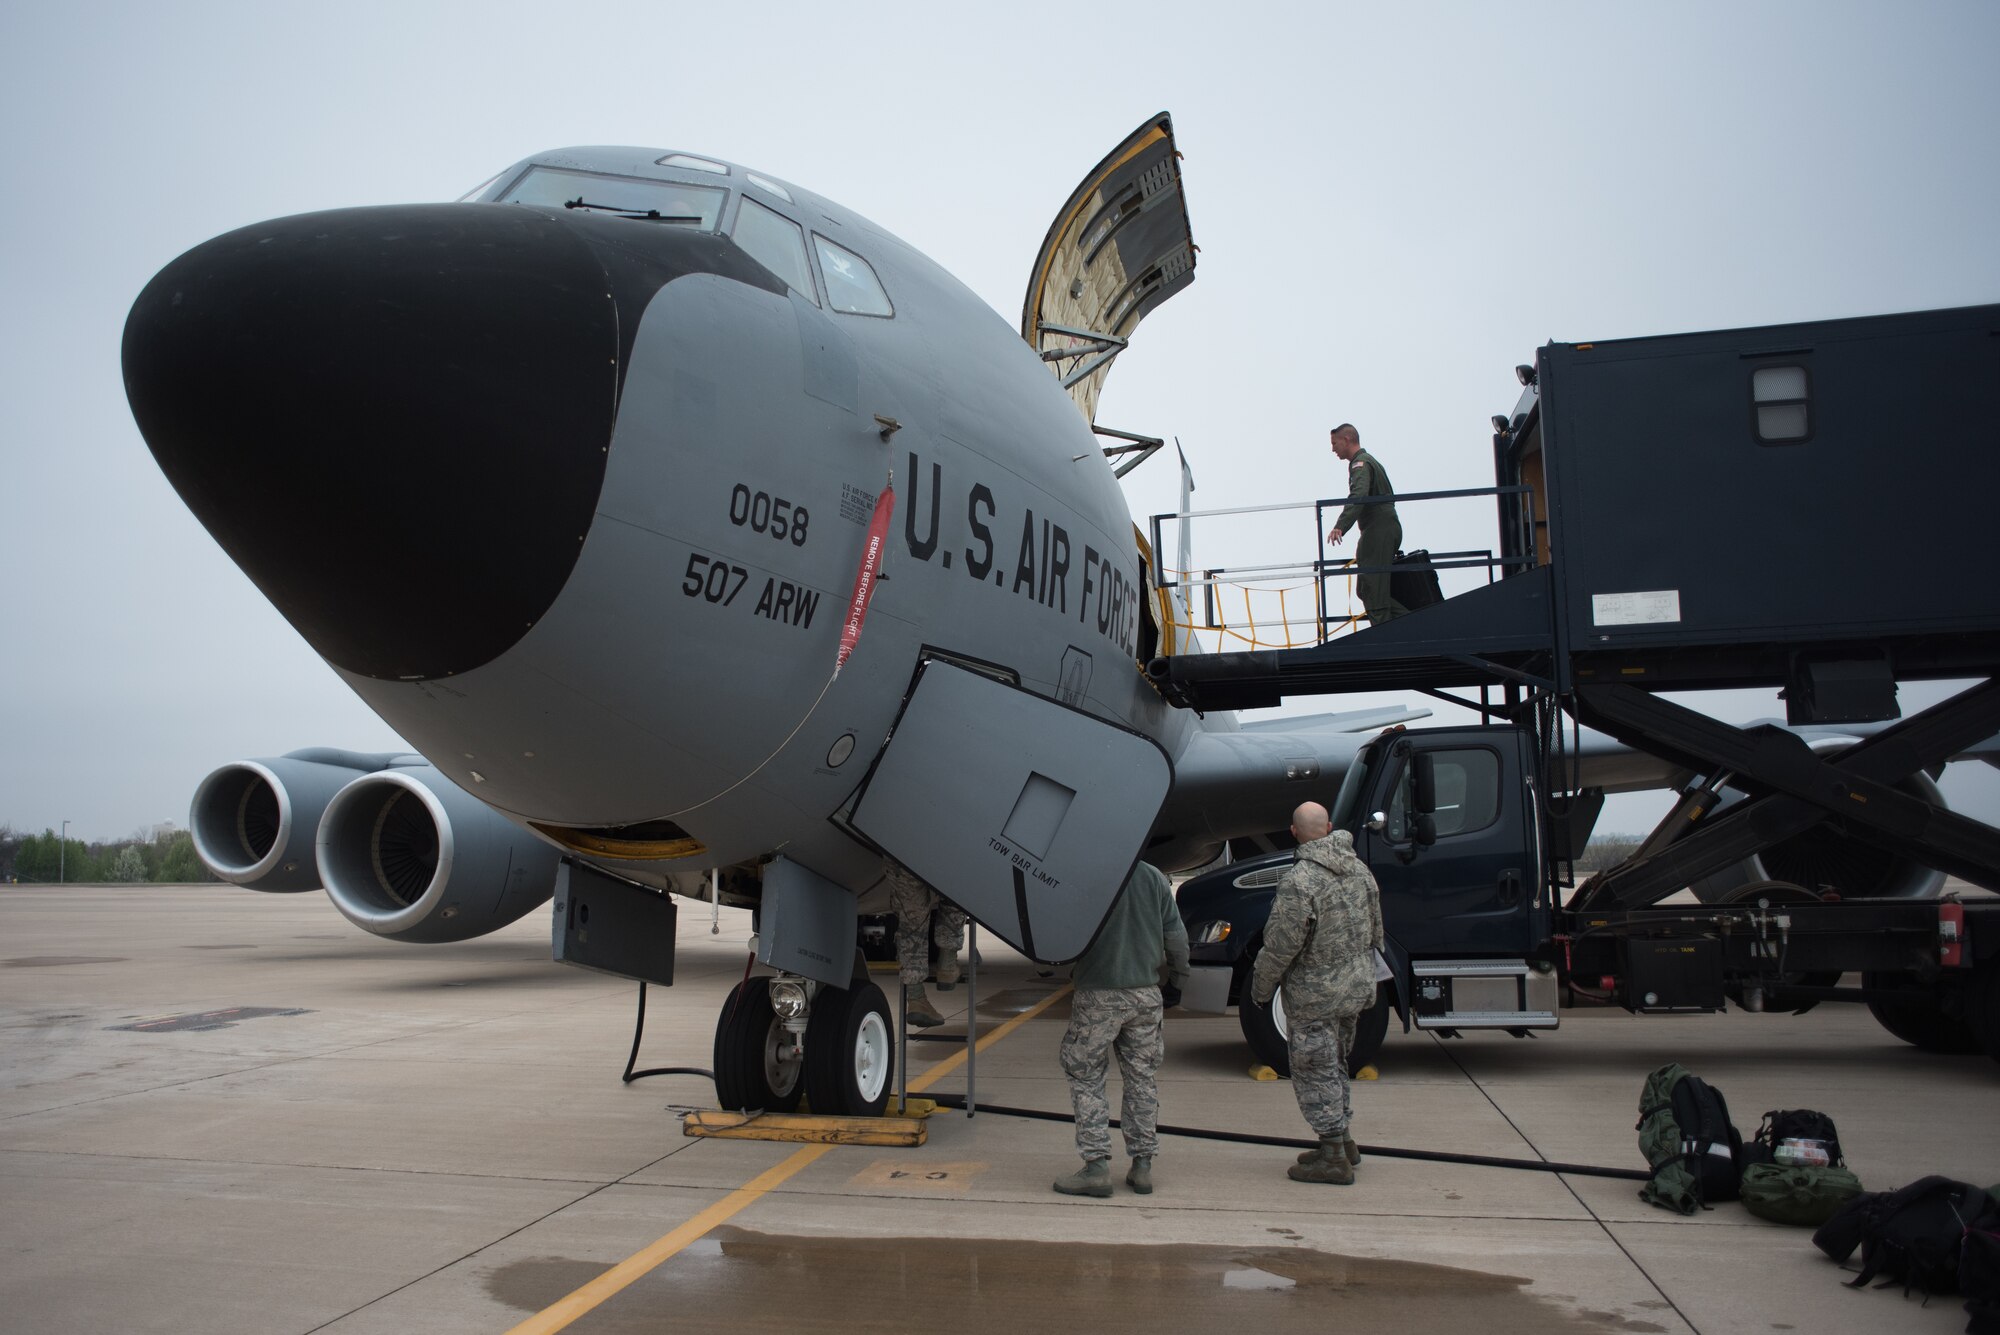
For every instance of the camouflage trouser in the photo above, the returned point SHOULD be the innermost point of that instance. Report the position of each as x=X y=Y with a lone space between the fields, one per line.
x=916 y=904
x=1127 y=1019
x=1318 y=1049
x=1380 y=538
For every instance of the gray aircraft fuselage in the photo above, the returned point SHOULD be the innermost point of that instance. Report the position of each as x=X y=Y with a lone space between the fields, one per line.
x=576 y=500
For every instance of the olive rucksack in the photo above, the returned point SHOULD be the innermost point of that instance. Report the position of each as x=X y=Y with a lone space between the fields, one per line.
x=1803 y=1194
x=1685 y=1134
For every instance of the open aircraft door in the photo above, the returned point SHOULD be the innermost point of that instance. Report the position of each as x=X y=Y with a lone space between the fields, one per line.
x=1026 y=813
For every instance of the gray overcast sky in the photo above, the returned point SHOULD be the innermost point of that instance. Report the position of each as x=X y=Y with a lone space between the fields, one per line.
x=1395 y=204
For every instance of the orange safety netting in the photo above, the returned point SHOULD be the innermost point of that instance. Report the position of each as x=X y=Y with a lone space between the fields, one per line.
x=1258 y=615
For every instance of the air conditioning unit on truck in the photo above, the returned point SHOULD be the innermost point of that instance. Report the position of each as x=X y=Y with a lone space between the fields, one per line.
x=1800 y=507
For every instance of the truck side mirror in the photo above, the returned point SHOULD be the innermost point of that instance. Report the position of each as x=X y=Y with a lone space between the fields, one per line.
x=1423 y=799
x=1424 y=829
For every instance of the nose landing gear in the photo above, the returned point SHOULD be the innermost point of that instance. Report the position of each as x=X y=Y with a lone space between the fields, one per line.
x=780 y=1038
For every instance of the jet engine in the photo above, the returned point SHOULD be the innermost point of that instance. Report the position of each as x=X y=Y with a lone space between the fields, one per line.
x=1823 y=856
x=254 y=821
x=407 y=854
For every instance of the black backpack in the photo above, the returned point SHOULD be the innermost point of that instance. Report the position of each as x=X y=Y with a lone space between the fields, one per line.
x=1685 y=1134
x=1792 y=1124
x=1979 y=1275
x=1415 y=589
x=1915 y=1234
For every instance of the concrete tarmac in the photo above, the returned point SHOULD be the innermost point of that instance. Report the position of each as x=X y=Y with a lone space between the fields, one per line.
x=224 y=1111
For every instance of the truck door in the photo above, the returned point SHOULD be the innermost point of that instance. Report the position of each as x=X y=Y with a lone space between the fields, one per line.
x=1464 y=882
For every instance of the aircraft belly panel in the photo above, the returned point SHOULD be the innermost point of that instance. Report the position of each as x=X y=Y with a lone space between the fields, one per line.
x=1024 y=812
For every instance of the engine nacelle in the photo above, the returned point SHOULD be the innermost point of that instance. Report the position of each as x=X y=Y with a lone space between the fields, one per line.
x=1823 y=856
x=255 y=822
x=409 y=855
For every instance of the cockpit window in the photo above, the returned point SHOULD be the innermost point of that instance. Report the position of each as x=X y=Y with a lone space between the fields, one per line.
x=777 y=243
x=664 y=201
x=479 y=189
x=851 y=284
x=766 y=183
x=692 y=163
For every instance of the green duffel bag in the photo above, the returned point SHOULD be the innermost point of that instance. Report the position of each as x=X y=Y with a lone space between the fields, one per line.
x=1802 y=1194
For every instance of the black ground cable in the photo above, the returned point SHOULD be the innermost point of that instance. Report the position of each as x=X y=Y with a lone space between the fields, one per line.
x=638 y=1029
x=1290 y=1142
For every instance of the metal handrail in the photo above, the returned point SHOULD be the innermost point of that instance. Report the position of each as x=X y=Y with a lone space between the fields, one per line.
x=1325 y=567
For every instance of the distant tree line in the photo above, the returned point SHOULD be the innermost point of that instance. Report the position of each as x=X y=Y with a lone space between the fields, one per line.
x=1605 y=851
x=168 y=857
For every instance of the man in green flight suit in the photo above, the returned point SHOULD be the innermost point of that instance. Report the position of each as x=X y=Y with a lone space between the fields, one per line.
x=1381 y=531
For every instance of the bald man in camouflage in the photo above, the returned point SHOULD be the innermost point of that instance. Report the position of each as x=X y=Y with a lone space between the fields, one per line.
x=1319 y=944
x=1381 y=531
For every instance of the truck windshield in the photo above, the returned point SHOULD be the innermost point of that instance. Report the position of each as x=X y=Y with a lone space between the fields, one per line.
x=553 y=187
x=1349 y=796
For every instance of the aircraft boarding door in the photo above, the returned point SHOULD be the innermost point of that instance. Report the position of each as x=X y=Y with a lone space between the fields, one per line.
x=1025 y=813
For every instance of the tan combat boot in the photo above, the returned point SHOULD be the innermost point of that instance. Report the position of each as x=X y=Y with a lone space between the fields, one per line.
x=1139 y=1176
x=948 y=972
x=917 y=1005
x=1331 y=1166
x=1093 y=1179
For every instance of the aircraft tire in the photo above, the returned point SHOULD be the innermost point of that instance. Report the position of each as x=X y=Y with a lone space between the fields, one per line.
x=850 y=1052
x=1926 y=1025
x=1263 y=1029
x=749 y=1037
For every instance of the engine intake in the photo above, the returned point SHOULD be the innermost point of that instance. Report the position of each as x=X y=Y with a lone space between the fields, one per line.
x=407 y=854
x=254 y=821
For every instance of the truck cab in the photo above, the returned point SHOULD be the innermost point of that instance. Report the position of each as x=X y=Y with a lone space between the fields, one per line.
x=1448 y=820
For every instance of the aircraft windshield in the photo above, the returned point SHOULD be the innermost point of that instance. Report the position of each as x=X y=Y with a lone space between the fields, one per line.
x=554 y=187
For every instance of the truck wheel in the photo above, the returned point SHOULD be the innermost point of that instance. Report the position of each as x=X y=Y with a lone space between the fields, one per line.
x=1372 y=1029
x=1769 y=895
x=1924 y=1024
x=1264 y=1031
x=1982 y=1007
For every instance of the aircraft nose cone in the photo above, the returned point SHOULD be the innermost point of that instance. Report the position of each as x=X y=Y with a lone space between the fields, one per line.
x=393 y=419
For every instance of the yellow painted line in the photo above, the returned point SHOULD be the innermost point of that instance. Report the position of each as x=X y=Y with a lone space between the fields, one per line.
x=567 y=1310
x=564 y=1311
x=957 y=1059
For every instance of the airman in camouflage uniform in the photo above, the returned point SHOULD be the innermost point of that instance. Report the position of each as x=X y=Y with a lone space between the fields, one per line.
x=1381 y=530
x=1117 y=1007
x=920 y=916
x=1319 y=944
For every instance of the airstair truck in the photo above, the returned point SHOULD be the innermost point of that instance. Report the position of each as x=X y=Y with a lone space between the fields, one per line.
x=1803 y=507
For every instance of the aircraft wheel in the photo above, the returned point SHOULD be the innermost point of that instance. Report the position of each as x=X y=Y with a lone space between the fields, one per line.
x=850 y=1052
x=1924 y=1024
x=754 y=1066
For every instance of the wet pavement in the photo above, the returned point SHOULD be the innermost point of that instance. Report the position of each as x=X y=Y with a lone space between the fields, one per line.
x=220 y=1111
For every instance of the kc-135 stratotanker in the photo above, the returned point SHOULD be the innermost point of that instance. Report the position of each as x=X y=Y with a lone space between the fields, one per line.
x=701 y=536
